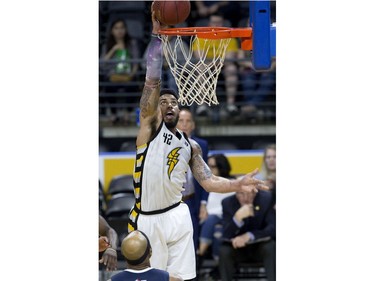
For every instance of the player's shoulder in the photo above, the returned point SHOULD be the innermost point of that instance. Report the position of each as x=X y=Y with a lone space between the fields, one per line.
x=194 y=143
x=200 y=141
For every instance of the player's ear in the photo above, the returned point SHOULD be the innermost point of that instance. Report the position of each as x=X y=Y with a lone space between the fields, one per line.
x=150 y=251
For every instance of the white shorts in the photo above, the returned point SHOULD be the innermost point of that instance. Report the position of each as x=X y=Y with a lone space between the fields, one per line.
x=171 y=238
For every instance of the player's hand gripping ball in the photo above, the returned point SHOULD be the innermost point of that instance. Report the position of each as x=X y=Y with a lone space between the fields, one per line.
x=171 y=12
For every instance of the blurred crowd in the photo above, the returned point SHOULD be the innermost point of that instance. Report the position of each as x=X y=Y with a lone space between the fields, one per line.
x=244 y=95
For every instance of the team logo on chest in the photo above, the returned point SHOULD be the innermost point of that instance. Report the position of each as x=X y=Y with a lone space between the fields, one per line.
x=172 y=160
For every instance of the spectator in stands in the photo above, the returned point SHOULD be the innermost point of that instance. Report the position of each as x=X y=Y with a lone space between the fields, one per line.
x=194 y=195
x=249 y=233
x=108 y=240
x=211 y=229
x=207 y=8
x=257 y=86
x=230 y=9
x=102 y=202
x=119 y=51
x=229 y=70
x=268 y=169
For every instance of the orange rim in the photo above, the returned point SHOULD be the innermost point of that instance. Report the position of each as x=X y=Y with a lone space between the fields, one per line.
x=209 y=32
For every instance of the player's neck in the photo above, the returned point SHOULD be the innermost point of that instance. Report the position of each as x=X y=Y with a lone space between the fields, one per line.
x=172 y=129
x=139 y=266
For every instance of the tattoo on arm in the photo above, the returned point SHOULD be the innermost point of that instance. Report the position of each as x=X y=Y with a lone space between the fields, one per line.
x=150 y=98
x=199 y=168
x=144 y=104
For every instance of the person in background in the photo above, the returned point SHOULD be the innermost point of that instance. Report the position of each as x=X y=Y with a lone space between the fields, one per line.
x=268 y=169
x=207 y=8
x=249 y=233
x=102 y=201
x=258 y=87
x=108 y=240
x=230 y=9
x=118 y=52
x=211 y=225
x=229 y=70
x=194 y=194
x=136 y=249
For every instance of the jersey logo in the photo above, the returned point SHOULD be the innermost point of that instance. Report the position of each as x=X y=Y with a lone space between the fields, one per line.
x=172 y=160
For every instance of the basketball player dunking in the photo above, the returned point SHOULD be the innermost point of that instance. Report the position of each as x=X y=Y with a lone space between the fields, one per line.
x=162 y=159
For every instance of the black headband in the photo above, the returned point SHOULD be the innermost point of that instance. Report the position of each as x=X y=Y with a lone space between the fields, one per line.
x=169 y=92
x=143 y=257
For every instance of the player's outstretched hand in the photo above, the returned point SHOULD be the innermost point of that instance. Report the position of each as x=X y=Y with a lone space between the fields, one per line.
x=109 y=259
x=250 y=184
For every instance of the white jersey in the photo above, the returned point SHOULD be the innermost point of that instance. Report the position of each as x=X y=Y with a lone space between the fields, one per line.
x=160 y=170
x=159 y=174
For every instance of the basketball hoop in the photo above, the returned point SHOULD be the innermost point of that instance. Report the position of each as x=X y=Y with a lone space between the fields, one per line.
x=196 y=77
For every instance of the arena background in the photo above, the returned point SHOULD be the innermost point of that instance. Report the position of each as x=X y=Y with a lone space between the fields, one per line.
x=50 y=149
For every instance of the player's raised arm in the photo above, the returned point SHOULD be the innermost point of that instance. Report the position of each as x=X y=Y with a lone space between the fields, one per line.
x=149 y=110
x=212 y=183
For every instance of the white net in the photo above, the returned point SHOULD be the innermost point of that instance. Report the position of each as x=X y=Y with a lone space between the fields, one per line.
x=195 y=68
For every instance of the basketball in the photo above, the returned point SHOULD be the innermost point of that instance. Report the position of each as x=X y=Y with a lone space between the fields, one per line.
x=172 y=12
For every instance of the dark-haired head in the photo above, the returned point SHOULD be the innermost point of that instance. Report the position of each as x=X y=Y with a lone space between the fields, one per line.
x=222 y=165
x=116 y=26
x=168 y=91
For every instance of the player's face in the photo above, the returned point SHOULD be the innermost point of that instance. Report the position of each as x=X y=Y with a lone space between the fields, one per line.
x=271 y=159
x=169 y=110
x=185 y=122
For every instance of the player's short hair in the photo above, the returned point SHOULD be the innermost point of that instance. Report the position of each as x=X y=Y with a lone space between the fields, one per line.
x=168 y=92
